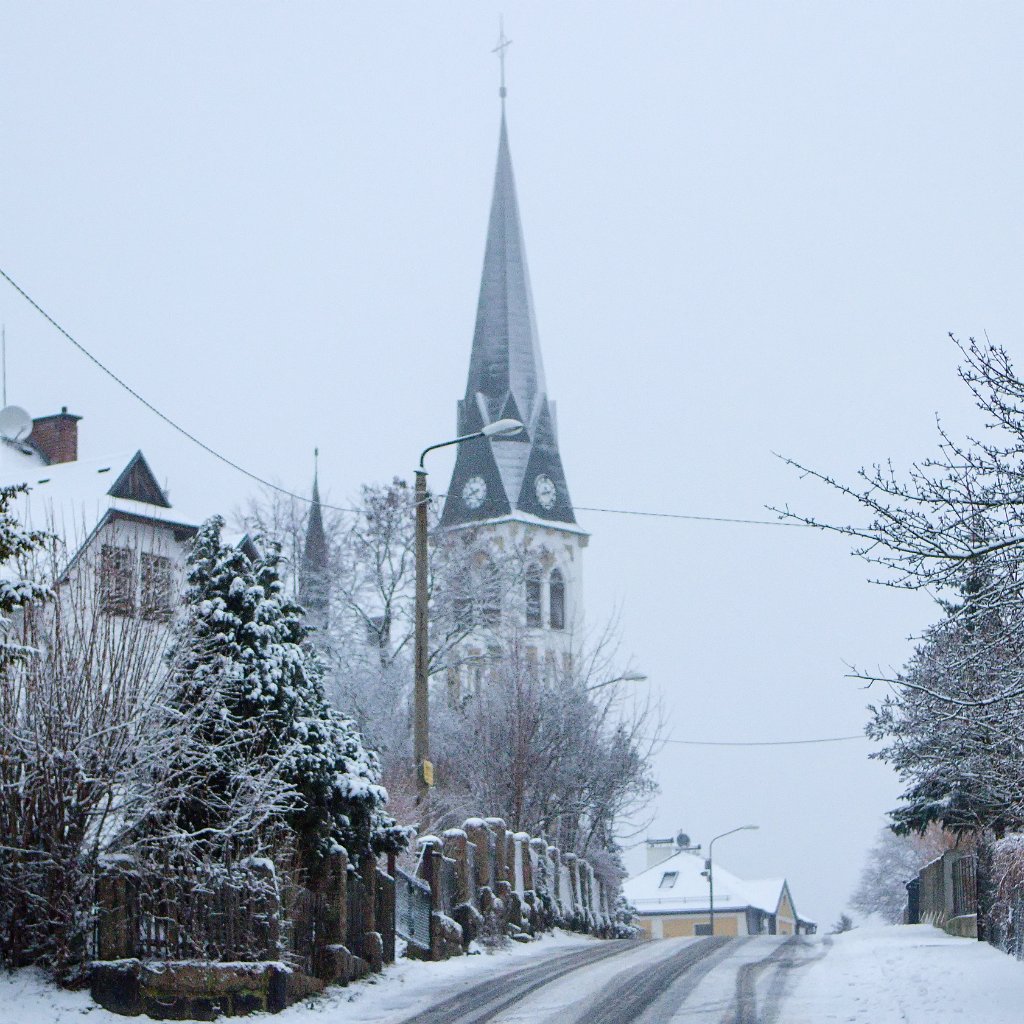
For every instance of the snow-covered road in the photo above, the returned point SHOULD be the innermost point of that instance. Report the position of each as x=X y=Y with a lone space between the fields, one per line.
x=909 y=975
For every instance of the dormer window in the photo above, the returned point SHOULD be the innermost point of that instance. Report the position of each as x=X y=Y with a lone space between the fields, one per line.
x=668 y=879
x=557 y=599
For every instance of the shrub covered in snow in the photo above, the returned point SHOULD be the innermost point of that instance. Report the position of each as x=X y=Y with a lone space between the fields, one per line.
x=240 y=656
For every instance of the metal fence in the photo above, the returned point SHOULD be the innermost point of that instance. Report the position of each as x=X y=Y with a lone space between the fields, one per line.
x=413 y=908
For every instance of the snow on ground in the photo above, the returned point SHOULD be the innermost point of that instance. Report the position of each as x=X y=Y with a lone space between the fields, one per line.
x=908 y=974
x=405 y=988
x=411 y=986
x=887 y=975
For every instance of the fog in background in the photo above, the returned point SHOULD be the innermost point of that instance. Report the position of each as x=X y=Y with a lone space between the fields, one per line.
x=749 y=227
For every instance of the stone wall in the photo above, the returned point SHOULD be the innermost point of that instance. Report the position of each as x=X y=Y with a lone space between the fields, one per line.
x=489 y=884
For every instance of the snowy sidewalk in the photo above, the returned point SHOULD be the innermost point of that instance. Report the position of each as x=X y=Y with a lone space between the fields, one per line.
x=910 y=974
x=405 y=988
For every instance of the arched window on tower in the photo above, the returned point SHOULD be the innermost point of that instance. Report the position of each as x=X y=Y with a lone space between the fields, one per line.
x=490 y=594
x=557 y=599
x=533 y=598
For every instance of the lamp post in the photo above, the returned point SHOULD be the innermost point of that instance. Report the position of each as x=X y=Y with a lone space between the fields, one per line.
x=710 y=870
x=626 y=677
x=421 y=692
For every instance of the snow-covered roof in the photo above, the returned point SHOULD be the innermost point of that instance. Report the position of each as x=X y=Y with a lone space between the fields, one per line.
x=73 y=499
x=656 y=891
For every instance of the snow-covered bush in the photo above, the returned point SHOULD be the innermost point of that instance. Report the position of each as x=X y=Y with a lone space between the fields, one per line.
x=241 y=661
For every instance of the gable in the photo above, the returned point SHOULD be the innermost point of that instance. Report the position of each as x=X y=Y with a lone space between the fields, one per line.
x=475 y=461
x=137 y=483
x=545 y=461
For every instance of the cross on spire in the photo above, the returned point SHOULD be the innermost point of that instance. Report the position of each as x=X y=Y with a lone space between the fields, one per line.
x=503 y=45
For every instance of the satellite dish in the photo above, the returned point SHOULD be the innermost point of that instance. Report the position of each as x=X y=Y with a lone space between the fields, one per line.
x=682 y=840
x=15 y=423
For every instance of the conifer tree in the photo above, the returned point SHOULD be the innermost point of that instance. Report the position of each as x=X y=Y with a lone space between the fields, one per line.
x=241 y=659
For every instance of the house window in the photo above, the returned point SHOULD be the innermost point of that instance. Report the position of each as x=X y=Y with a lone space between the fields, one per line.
x=702 y=929
x=157 y=578
x=668 y=879
x=557 y=599
x=533 y=587
x=117 y=580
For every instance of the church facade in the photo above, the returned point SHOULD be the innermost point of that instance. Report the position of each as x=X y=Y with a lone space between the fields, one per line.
x=509 y=493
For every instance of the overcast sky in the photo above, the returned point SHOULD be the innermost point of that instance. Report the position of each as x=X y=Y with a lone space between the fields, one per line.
x=750 y=228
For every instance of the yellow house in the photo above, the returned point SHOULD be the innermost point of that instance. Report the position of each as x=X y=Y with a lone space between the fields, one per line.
x=672 y=899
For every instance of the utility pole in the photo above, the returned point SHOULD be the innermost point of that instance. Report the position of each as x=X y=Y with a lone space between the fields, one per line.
x=709 y=869
x=421 y=693
x=421 y=632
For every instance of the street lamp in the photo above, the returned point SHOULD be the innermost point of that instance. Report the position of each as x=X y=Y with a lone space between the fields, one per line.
x=626 y=677
x=710 y=871
x=421 y=702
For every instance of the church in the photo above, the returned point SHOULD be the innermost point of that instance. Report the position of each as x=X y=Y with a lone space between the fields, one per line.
x=511 y=491
x=507 y=493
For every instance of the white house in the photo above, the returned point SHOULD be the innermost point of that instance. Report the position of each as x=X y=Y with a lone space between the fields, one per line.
x=672 y=899
x=108 y=513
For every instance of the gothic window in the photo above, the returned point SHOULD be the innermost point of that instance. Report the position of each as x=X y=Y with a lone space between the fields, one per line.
x=157 y=579
x=533 y=597
x=490 y=596
x=557 y=599
x=117 y=580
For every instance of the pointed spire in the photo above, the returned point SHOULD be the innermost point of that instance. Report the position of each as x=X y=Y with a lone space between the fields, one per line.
x=314 y=577
x=506 y=379
x=505 y=360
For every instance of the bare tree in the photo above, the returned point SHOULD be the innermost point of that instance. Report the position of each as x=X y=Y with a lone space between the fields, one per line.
x=893 y=861
x=953 y=525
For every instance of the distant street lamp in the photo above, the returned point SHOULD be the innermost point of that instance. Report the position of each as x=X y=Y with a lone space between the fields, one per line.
x=421 y=692
x=710 y=871
x=626 y=677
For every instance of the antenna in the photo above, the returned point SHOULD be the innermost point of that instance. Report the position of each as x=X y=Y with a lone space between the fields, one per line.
x=15 y=423
x=503 y=45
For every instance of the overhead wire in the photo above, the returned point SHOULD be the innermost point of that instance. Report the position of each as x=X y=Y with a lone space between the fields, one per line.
x=762 y=743
x=264 y=482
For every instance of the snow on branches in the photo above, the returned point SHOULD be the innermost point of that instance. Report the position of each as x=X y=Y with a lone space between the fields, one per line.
x=241 y=656
x=953 y=725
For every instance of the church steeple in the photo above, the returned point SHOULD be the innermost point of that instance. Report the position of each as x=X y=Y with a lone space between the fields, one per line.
x=314 y=576
x=498 y=477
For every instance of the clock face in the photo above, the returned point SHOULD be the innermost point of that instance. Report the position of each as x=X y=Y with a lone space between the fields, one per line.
x=545 y=489
x=474 y=490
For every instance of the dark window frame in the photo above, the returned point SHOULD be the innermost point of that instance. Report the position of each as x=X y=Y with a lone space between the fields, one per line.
x=556 y=599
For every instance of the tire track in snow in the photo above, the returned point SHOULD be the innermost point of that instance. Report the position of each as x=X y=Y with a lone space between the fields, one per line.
x=781 y=961
x=624 y=999
x=485 y=1001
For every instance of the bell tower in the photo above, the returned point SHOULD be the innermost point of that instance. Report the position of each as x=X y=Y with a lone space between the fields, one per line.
x=513 y=490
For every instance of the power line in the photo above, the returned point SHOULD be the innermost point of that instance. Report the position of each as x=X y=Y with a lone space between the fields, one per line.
x=174 y=425
x=152 y=408
x=762 y=743
x=681 y=515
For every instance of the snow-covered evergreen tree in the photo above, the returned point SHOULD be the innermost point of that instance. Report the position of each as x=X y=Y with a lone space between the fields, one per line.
x=241 y=657
x=16 y=543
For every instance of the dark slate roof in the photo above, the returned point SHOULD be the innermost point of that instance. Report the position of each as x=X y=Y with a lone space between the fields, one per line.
x=313 y=576
x=506 y=379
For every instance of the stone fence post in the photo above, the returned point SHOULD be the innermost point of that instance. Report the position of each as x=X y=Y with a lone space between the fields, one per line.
x=454 y=847
x=479 y=835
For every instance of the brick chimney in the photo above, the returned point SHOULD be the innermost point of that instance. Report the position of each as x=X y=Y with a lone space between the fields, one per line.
x=56 y=437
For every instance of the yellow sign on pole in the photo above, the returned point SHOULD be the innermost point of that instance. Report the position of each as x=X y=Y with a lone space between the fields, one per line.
x=428 y=772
